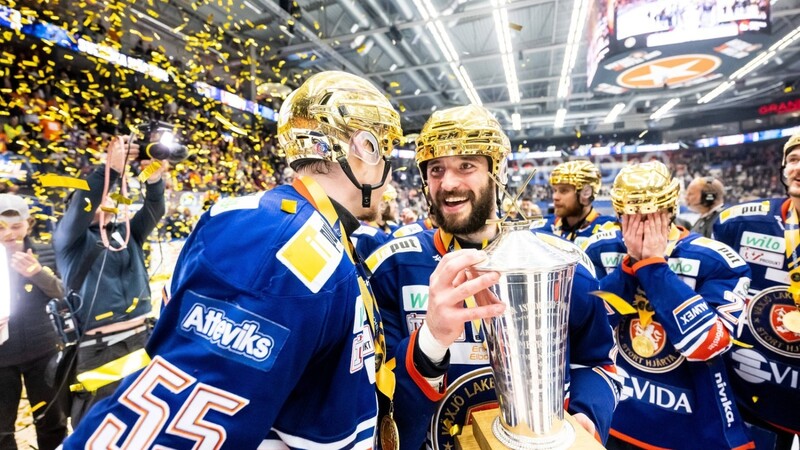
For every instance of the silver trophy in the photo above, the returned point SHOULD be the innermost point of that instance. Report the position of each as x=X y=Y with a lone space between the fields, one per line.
x=527 y=344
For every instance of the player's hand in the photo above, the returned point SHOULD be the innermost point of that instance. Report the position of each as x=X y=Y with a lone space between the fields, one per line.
x=25 y=263
x=633 y=234
x=584 y=421
x=656 y=235
x=450 y=286
x=117 y=149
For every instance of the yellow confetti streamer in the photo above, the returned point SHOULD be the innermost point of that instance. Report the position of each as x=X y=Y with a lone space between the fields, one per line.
x=51 y=180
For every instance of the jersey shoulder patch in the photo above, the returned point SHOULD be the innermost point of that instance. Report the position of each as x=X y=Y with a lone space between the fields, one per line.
x=234 y=203
x=394 y=246
x=407 y=230
x=728 y=254
x=313 y=253
x=746 y=209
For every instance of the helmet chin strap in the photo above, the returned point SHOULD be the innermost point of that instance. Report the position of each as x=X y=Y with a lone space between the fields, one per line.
x=366 y=189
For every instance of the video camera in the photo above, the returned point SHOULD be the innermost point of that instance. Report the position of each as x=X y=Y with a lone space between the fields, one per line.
x=160 y=142
x=63 y=318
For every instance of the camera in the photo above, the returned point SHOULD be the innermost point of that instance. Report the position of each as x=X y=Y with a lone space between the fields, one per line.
x=63 y=318
x=160 y=142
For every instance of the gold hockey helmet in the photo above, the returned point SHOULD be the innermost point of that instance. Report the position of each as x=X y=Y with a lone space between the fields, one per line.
x=580 y=174
x=645 y=188
x=790 y=145
x=331 y=111
x=464 y=131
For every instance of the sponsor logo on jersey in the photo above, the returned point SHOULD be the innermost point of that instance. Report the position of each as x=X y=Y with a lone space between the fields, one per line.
x=313 y=253
x=401 y=245
x=765 y=242
x=765 y=321
x=471 y=392
x=684 y=266
x=731 y=257
x=664 y=396
x=691 y=313
x=724 y=399
x=233 y=203
x=665 y=357
x=363 y=346
x=415 y=297
x=762 y=257
x=753 y=367
x=407 y=230
x=230 y=331
x=747 y=209
x=611 y=259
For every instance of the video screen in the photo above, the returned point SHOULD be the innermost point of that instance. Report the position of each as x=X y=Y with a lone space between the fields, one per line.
x=652 y=23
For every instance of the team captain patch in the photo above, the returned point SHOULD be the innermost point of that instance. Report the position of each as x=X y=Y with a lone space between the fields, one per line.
x=313 y=253
x=230 y=331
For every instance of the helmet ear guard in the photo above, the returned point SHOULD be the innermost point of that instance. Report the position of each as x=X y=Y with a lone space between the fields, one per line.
x=333 y=115
x=586 y=196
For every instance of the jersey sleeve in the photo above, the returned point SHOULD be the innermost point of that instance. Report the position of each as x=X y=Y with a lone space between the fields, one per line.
x=700 y=321
x=594 y=386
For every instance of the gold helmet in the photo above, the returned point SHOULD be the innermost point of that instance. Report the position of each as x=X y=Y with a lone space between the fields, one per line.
x=577 y=173
x=645 y=188
x=332 y=110
x=464 y=131
x=790 y=145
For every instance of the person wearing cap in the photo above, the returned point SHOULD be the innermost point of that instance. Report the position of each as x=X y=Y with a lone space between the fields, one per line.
x=32 y=342
x=114 y=291
x=272 y=338
x=575 y=185
x=460 y=152
x=676 y=299
x=765 y=369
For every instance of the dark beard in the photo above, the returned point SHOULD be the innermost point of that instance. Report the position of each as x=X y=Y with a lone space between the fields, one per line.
x=575 y=211
x=482 y=210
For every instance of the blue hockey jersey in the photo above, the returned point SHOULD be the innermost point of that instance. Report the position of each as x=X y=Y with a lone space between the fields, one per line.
x=265 y=341
x=593 y=223
x=401 y=272
x=766 y=377
x=685 y=310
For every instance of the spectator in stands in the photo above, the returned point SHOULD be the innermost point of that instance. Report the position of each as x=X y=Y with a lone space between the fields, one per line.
x=705 y=196
x=32 y=341
x=115 y=289
x=767 y=235
x=529 y=209
x=15 y=133
x=575 y=185
x=408 y=216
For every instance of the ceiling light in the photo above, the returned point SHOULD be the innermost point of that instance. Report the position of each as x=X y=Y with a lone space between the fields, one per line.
x=715 y=92
x=393 y=67
x=561 y=114
x=516 y=121
x=661 y=112
x=504 y=42
x=579 y=11
x=612 y=115
x=354 y=28
x=250 y=5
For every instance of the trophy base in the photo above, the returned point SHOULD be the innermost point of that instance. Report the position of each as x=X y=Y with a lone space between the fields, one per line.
x=479 y=435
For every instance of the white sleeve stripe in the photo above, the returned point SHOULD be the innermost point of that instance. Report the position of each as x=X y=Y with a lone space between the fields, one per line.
x=299 y=442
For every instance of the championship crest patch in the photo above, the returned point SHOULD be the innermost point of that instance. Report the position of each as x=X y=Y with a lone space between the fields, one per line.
x=646 y=349
x=765 y=320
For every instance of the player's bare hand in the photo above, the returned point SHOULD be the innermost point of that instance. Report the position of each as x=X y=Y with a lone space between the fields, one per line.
x=450 y=286
x=25 y=263
x=656 y=235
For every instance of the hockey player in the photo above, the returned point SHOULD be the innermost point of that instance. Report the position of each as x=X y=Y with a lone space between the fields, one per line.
x=765 y=376
x=272 y=338
x=457 y=151
x=677 y=297
x=575 y=185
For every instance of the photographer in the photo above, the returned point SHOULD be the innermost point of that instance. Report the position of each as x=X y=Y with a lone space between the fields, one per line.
x=32 y=342
x=115 y=293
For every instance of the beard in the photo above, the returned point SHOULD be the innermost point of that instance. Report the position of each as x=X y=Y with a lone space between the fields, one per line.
x=573 y=210
x=482 y=209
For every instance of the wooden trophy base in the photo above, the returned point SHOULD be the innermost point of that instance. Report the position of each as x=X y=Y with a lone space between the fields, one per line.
x=479 y=436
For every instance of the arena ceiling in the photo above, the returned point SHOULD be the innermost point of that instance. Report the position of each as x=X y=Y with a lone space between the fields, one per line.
x=432 y=54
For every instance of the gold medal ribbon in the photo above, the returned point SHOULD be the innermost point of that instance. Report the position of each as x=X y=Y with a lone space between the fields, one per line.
x=384 y=377
x=449 y=243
